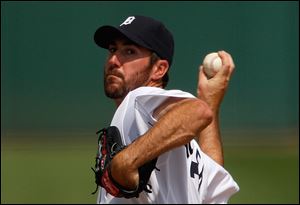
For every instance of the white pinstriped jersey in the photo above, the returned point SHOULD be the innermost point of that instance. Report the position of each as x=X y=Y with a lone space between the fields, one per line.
x=185 y=174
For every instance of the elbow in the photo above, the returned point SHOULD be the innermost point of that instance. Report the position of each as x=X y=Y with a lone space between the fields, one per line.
x=203 y=115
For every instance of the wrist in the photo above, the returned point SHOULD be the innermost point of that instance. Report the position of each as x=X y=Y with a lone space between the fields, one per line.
x=123 y=172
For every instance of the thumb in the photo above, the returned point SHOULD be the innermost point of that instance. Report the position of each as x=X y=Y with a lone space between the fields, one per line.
x=202 y=79
x=201 y=76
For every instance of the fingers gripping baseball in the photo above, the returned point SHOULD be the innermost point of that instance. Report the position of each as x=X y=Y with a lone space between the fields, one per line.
x=212 y=90
x=227 y=65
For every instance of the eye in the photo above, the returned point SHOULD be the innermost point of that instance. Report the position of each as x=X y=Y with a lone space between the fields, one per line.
x=130 y=51
x=112 y=49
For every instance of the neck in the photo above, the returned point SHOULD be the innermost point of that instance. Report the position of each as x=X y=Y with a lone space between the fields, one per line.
x=118 y=101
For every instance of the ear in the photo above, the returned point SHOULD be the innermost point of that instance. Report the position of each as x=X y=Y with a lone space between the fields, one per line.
x=160 y=68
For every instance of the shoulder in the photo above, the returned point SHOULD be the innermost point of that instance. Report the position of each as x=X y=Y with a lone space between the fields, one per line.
x=156 y=100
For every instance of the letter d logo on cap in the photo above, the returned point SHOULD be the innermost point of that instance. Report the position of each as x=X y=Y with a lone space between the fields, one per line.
x=128 y=20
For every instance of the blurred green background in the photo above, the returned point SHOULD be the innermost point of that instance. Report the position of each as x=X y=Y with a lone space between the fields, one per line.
x=52 y=99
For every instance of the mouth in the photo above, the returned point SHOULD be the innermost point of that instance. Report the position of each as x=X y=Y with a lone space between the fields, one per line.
x=111 y=78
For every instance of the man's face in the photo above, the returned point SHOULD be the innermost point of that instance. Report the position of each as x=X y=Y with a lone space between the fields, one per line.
x=127 y=67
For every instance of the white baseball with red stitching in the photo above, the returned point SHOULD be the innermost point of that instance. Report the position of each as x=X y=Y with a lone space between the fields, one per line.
x=212 y=63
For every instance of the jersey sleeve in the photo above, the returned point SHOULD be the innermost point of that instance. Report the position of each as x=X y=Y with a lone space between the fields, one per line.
x=153 y=97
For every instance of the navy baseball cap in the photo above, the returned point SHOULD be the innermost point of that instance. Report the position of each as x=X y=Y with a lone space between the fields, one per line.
x=143 y=31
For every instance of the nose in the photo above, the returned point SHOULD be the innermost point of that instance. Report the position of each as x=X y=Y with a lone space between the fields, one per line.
x=114 y=60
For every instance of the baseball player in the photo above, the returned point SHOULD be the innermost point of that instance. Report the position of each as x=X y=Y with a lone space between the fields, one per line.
x=177 y=130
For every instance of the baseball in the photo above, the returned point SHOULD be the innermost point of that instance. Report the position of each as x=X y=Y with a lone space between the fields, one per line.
x=212 y=63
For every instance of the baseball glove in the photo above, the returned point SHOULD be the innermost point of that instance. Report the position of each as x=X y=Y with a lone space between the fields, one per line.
x=109 y=144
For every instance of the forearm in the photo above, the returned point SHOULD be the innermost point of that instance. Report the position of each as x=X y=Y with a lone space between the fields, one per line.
x=177 y=127
x=212 y=92
x=210 y=140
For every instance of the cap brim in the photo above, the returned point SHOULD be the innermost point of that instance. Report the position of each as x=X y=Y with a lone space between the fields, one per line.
x=106 y=34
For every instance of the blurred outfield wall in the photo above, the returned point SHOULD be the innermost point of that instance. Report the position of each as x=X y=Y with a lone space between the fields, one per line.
x=51 y=70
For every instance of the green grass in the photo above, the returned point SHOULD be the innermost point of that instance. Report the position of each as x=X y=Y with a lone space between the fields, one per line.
x=265 y=174
x=58 y=171
x=48 y=172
